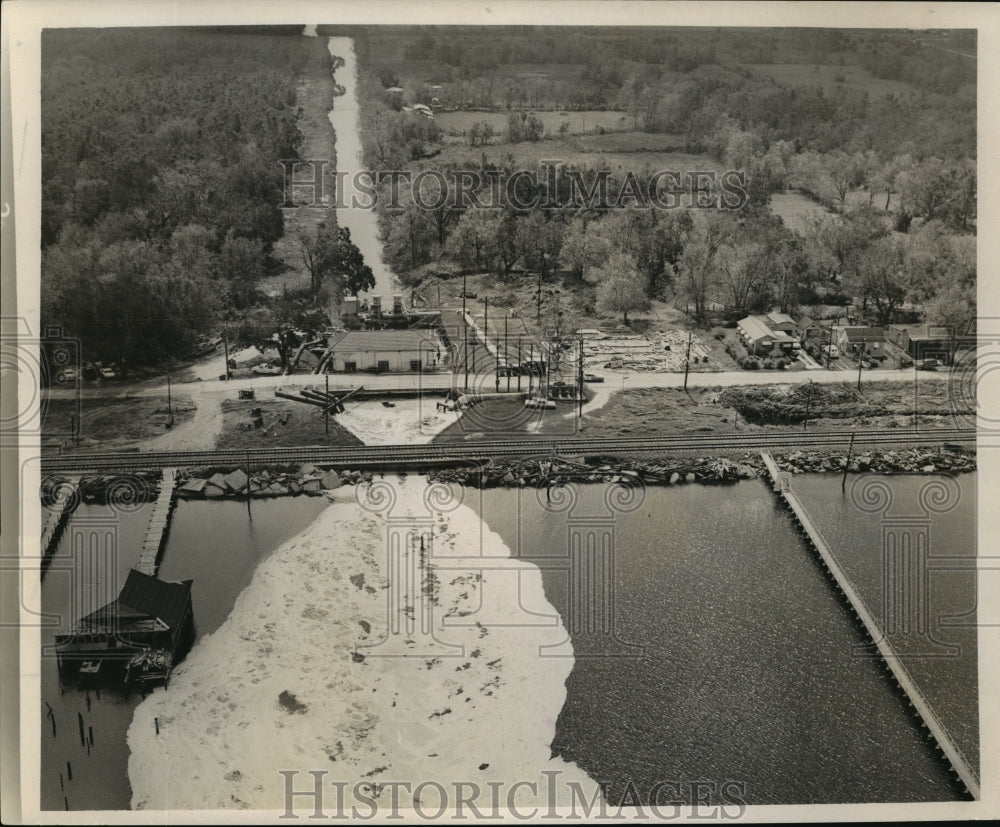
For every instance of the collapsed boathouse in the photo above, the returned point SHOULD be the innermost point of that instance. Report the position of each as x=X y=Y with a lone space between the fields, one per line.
x=142 y=631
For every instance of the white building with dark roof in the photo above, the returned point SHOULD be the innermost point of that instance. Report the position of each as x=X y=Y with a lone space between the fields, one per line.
x=384 y=351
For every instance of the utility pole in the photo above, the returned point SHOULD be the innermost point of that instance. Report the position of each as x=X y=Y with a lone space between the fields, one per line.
x=465 y=354
x=531 y=370
x=249 y=515
x=519 y=364
x=326 y=409
x=170 y=409
x=915 y=375
x=486 y=321
x=464 y=291
x=506 y=352
x=809 y=399
x=538 y=301
x=861 y=359
x=225 y=344
x=829 y=349
x=579 y=374
x=850 y=450
x=687 y=362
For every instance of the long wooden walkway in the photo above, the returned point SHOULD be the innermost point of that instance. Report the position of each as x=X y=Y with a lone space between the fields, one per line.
x=962 y=767
x=158 y=522
x=56 y=519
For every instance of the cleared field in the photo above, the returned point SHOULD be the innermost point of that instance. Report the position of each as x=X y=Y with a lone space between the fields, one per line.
x=573 y=153
x=633 y=142
x=285 y=424
x=108 y=422
x=578 y=122
x=796 y=210
x=828 y=77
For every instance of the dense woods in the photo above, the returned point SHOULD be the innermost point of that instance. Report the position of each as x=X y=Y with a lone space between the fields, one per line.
x=160 y=182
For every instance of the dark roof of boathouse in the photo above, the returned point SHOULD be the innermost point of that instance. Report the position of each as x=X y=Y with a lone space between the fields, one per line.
x=142 y=601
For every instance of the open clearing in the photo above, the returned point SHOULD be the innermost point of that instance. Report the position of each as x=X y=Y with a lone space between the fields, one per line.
x=113 y=422
x=573 y=152
x=579 y=122
x=826 y=77
x=302 y=425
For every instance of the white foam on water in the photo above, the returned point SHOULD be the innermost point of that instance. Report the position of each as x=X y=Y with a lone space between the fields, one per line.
x=407 y=422
x=286 y=683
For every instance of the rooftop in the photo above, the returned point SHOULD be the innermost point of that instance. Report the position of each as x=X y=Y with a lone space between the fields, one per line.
x=777 y=317
x=387 y=340
x=144 y=601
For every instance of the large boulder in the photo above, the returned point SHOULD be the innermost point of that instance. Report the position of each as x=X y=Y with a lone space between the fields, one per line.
x=331 y=479
x=236 y=480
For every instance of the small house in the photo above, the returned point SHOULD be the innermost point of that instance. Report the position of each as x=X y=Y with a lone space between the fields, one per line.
x=759 y=337
x=852 y=339
x=777 y=320
x=926 y=341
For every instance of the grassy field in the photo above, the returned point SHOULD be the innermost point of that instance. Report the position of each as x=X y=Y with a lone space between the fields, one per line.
x=630 y=141
x=114 y=422
x=796 y=210
x=573 y=152
x=827 y=77
x=580 y=123
x=285 y=424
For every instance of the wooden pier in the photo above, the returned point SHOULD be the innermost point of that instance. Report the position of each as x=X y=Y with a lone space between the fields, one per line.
x=158 y=522
x=892 y=661
x=56 y=519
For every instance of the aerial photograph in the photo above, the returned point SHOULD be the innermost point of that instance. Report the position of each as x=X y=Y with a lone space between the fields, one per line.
x=515 y=420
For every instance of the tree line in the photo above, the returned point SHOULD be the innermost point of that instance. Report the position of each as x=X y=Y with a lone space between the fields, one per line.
x=160 y=182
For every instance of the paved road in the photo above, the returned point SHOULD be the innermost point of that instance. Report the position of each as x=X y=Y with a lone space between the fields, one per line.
x=265 y=386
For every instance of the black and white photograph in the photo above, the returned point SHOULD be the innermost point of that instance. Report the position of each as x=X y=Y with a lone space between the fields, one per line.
x=499 y=412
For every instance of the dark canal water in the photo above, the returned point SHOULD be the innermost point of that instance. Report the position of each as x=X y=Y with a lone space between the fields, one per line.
x=212 y=543
x=749 y=671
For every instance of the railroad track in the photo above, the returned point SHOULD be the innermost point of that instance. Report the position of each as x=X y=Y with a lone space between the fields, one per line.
x=478 y=450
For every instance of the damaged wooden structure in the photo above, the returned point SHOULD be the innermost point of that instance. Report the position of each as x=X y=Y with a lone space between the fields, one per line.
x=329 y=401
x=139 y=636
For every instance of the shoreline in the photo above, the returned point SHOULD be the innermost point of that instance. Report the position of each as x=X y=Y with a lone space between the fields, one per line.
x=294 y=665
x=277 y=480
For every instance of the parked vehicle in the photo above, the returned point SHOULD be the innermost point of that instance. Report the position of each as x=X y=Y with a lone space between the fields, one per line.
x=66 y=375
x=928 y=364
x=831 y=350
x=265 y=369
x=592 y=377
x=108 y=373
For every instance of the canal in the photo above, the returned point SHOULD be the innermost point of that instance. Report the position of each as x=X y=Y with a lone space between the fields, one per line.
x=732 y=659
